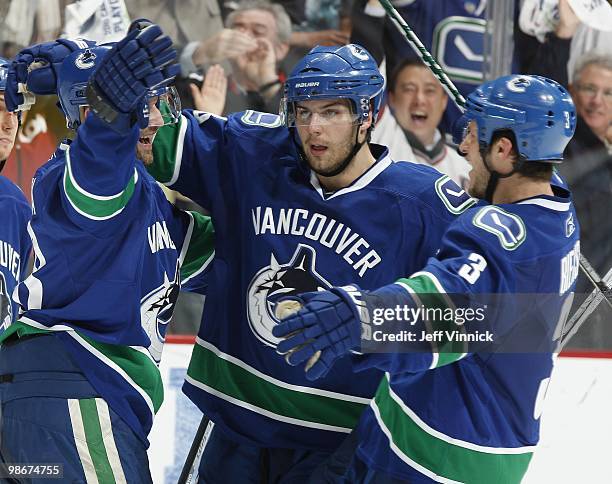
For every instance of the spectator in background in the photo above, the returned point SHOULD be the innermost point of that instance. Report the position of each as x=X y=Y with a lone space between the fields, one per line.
x=317 y=22
x=452 y=30
x=551 y=37
x=209 y=95
x=34 y=146
x=184 y=21
x=589 y=168
x=417 y=102
x=592 y=93
x=254 y=42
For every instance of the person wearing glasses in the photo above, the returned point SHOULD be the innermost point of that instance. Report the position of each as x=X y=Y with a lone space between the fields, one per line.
x=591 y=90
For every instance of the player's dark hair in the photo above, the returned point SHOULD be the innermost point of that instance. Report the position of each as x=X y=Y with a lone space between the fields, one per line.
x=537 y=170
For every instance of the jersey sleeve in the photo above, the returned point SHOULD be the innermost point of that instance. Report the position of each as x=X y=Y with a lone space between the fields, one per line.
x=434 y=212
x=209 y=158
x=16 y=215
x=25 y=249
x=198 y=252
x=457 y=283
x=100 y=176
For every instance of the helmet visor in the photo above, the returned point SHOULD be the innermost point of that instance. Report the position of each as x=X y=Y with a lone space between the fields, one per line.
x=335 y=112
x=167 y=102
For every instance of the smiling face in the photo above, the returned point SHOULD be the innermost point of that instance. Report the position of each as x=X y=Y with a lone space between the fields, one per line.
x=327 y=129
x=144 y=147
x=478 y=175
x=418 y=102
x=8 y=129
x=592 y=93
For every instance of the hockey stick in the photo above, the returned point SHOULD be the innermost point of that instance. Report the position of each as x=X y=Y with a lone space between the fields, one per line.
x=585 y=310
x=459 y=100
x=195 y=452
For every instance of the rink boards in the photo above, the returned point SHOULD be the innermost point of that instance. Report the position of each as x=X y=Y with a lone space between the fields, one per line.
x=576 y=424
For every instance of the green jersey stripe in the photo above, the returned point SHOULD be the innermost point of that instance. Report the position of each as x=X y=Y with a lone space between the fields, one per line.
x=167 y=152
x=427 y=291
x=134 y=364
x=96 y=207
x=305 y=406
x=80 y=441
x=109 y=441
x=442 y=455
x=199 y=244
x=94 y=437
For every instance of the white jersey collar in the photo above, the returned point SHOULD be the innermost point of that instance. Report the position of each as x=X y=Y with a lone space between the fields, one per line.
x=552 y=203
x=363 y=181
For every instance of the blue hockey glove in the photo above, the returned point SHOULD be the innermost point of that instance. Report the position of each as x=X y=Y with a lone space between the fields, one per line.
x=329 y=323
x=141 y=61
x=36 y=68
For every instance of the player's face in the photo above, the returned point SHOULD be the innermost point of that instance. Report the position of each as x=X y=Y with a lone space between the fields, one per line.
x=479 y=175
x=144 y=147
x=327 y=129
x=418 y=102
x=593 y=97
x=8 y=129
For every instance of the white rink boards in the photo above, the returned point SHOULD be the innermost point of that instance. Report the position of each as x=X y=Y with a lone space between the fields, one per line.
x=576 y=441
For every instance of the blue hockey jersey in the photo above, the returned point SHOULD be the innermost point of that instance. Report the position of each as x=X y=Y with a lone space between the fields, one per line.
x=475 y=418
x=15 y=246
x=111 y=254
x=277 y=234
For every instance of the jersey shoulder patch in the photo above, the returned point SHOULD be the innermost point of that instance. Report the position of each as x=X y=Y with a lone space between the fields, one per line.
x=265 y=120
x=455 y=199
x=509 y=228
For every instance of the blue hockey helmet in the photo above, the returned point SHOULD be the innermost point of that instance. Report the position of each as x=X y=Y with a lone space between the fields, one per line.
x=347 y=72
x=74 y=74
x=4 y=67
x=539 y=111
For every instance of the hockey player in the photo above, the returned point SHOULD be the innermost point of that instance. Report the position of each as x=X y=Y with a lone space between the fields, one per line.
x=80 y=378
x=448 y=416
x=297 y=209
x=15 y=212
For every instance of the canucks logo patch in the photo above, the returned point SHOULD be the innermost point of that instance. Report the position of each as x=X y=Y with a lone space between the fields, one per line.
x=277 y=281
x=156 y=310
x=455 y=199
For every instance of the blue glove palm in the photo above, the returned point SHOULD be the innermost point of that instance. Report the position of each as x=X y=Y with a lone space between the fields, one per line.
x=143 y=60
x=329 y=322
x=36 y=67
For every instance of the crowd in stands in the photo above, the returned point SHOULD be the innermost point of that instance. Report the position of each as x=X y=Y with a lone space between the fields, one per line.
x=234 y=56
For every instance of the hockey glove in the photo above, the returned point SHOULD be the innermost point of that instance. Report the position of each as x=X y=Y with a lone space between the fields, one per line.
x=329 y=323
x=34 y=70
x=141 y=61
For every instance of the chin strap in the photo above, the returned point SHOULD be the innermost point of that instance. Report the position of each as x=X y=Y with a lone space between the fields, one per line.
x=495 y=176
x=2 y=165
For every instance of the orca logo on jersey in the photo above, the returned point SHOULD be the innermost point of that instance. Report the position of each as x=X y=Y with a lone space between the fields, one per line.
x=6 y=310
x=278 y=281
x=156 y=310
